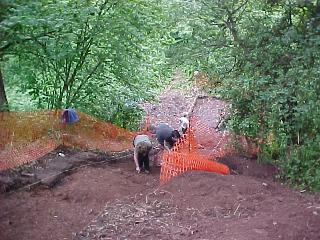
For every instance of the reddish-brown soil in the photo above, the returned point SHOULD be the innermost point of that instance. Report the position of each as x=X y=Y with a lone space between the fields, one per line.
x=110 y=201
x=58 y=212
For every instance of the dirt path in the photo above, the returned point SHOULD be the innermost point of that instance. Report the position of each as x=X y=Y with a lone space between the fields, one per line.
x=248 y=205
x=110 y=201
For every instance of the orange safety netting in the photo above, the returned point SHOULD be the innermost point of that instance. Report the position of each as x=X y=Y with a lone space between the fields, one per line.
x=184 y=156
x=27 y=136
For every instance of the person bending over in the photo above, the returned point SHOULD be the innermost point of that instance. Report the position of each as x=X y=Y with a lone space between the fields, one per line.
x=166 y=135
x=142 y=147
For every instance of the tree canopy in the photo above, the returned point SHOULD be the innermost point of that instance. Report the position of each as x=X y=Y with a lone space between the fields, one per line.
x=86 y=54
x=266 y=56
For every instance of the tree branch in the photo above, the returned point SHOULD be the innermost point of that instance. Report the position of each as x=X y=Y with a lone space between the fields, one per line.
x=238 y=8
x=93 y=70
x=26 y=39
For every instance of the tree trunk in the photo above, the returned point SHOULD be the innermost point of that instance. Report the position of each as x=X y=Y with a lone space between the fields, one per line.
x=3 y=98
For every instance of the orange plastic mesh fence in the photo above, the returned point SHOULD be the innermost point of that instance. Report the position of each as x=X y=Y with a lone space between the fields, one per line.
x=26 y=136
x=21 y=128
x=184 y=156
x=28 y=153
x=218 y=142
x=90 y=133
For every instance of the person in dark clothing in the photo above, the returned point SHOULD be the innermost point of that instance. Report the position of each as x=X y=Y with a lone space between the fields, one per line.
x=166 y=135
x=142 y=147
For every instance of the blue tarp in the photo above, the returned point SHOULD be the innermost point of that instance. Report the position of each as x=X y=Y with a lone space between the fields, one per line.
x=69 y=116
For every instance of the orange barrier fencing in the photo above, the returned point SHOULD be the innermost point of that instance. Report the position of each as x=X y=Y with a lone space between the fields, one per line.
x=25 y=154
x=27 y=136
x=90 y=133
x=184 y=156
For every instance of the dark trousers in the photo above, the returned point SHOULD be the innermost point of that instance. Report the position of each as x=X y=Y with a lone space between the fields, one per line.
x=144 y=162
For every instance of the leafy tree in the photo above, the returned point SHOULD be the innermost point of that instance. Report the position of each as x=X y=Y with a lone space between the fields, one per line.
x=205 y=35
x=92 y=52
x=4 y=6
x=12 y=35
x=266 y=54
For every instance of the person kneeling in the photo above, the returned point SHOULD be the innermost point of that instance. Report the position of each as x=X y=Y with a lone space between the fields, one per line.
x=142 y=147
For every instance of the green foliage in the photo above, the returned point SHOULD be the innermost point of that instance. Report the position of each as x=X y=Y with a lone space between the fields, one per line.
x=302 y=166
x=276 y=96
x=86 y=54
x=267 y=56
x=127 y=116
x=20 y=101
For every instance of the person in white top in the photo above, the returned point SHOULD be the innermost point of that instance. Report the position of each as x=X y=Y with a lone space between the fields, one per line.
x=183 y=124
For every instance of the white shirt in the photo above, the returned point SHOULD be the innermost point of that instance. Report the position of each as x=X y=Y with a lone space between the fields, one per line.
x=184 y=124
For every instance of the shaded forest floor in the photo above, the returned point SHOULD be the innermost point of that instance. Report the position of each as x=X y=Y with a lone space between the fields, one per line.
x=106 y=199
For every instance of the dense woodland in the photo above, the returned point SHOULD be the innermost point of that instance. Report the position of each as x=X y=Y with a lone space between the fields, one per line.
x=103 y=57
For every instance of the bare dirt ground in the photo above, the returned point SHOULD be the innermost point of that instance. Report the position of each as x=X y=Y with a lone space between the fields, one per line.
x=59 y=211
x=106 y=199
